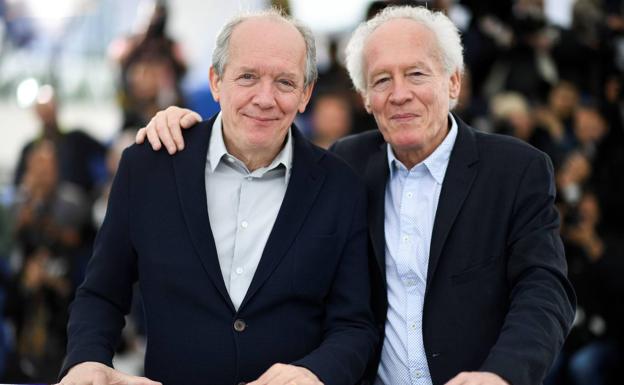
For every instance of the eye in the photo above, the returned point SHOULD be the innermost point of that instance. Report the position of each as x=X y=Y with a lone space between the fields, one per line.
x=286 y=85
x=381 y=81
x=415 y=74
x=246 y=78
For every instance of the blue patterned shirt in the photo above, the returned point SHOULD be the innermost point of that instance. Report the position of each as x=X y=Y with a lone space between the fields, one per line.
x=411 y=202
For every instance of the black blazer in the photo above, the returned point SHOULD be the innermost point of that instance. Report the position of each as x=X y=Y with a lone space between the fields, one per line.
x=308 y=303
x=497 y=296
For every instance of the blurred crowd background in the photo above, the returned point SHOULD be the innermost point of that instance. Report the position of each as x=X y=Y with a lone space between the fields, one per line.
x=78 y=77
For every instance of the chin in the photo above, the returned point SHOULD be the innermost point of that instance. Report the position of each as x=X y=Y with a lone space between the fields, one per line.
x=406 y=141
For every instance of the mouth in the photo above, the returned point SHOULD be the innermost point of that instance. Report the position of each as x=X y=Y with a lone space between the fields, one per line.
x=403 y=117
x=261 y=119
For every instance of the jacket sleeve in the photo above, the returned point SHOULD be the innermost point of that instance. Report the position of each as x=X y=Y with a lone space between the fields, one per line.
x=104 y=298
x=542 y=301
x=350 y=336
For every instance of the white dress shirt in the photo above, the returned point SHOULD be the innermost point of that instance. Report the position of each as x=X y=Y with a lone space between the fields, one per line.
x=242 y=207
x=411 y=202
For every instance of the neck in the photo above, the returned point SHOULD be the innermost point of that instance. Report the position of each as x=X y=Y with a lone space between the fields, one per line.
x=410 y=157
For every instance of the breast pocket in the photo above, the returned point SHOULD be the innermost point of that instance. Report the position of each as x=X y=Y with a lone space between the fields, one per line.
x=316 y=259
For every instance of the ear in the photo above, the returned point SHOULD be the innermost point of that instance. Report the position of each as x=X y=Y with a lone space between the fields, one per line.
x=305 y=98
x=215 y=83
x=455 y=85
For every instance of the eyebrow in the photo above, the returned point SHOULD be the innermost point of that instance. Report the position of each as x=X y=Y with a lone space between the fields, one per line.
x=289 y=75
x=418 y=65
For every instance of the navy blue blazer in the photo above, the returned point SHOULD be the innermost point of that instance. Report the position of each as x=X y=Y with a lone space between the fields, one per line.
x=308 y=303
x=497 y=296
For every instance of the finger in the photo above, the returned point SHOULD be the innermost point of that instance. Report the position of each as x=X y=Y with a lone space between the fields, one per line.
x=99 y=378
x=190 y=119
x=287 y=377
x=173 y=127
x=267 y=375
x=161 y=121
x=134 y=380
x=459 y=379
x=140 y=136
x=152 y=136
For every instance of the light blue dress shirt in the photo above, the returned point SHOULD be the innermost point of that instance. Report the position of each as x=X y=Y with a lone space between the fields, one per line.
x=411 y=202
x=242 y=207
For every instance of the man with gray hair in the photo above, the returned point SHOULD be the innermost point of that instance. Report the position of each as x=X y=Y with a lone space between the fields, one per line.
x=257 y=271
x=469 y=273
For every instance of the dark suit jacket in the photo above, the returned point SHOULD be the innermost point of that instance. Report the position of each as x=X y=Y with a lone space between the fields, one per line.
x=497 y=296
x=308 y=303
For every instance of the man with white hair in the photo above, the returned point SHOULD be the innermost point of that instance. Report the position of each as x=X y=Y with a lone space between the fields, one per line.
x=256 y=271
x=469 y=277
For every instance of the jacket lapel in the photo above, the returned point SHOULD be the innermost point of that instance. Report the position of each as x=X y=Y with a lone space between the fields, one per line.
x=189 y=168
x=376 y=177
x=460 y=174
x=305 y=182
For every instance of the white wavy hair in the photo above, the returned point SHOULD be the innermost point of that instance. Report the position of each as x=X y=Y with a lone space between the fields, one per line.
x=446 y=33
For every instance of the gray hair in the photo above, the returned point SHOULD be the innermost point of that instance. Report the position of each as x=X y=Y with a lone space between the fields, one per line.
x=220 y=53
x=446 y=33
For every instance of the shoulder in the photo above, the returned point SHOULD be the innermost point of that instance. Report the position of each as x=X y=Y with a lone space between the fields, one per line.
x=357 y=149
x=505 y=150
x=334 y=167
x=195 y=139
x=358 y=143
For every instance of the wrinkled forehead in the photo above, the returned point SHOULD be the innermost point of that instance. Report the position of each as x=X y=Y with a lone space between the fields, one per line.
x=266 y=39
x=401 y=42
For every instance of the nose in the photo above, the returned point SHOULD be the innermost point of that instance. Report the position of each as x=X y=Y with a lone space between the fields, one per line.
x=264 y=97
x=400 y=93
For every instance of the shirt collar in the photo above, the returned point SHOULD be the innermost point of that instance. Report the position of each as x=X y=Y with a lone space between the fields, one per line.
x=437 y=161
x=217 y=149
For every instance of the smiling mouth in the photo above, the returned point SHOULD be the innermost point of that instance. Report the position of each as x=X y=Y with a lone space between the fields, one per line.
x=261 y=119
x=403 y=117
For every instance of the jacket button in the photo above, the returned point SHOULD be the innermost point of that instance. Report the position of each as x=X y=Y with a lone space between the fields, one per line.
x=240 y=325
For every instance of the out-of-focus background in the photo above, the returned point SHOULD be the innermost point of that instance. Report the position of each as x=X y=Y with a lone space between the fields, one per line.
x=78 y=77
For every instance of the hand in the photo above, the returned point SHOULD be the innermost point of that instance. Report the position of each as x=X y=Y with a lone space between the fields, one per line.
x=477 y=378
x=282 y=374
x=94 y=373
x=166 y=128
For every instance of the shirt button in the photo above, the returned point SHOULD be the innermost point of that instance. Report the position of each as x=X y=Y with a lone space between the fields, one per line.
x=244 y=224
x=240 y=325
x=239 y=270
x=414 y=326
x=409 y=195
x=405 y=238
x=230 y=159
